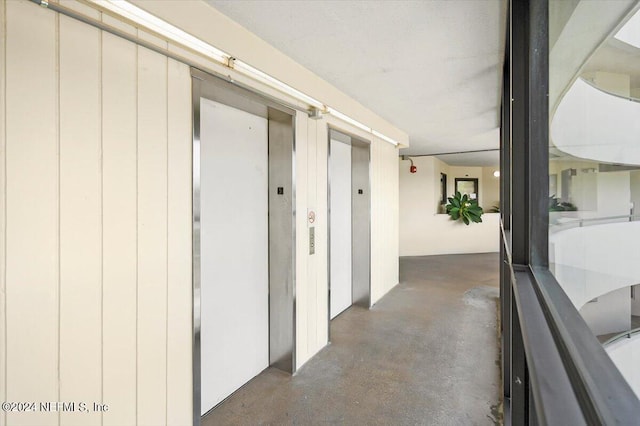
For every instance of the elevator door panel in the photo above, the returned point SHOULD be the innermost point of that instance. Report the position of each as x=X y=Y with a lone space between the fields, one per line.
x=340 y=199
x=234 y=249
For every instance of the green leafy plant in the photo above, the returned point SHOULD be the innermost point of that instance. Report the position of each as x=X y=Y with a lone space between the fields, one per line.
x=461 y=207
x=560 y=206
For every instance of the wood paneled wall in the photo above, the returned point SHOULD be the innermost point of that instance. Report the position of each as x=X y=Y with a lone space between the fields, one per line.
x=96 y=262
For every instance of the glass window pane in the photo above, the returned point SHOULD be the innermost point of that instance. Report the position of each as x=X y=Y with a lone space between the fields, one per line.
x=594 y=169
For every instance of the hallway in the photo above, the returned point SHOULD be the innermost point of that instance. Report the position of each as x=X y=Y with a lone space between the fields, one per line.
x=426 y=354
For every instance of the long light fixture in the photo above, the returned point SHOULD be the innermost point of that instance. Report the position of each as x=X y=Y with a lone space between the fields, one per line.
x=348 y=119
x=359 y=125
x=159 y=26
x=384 y=137
x=165 y=29
x=245 y=68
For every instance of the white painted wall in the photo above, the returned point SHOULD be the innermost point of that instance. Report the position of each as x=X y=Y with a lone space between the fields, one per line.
x=609 y=313
x=422 y=231
x=118 y=197
x=614 y=194
x=584 y=192
x=490 y=188
x=625 y=354
x=557 y=166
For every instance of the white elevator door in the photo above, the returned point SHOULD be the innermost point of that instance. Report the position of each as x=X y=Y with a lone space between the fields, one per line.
x=234 y=249
x=340 y=199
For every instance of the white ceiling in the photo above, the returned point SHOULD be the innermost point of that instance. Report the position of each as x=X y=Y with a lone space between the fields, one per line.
x=472 y=159
x=432 y=68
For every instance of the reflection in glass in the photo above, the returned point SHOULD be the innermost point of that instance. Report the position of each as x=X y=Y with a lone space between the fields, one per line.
x=594 y=169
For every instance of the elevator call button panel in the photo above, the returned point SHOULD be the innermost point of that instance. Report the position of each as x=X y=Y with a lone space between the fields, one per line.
x=312 y=240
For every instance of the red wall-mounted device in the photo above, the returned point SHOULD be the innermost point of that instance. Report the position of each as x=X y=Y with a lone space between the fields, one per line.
x=413 y=168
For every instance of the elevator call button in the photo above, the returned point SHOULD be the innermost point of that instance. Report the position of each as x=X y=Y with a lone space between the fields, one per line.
x=312 y=240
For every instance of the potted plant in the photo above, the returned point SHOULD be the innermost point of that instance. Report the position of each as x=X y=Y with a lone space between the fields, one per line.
x=556 y=205
x=461 y=207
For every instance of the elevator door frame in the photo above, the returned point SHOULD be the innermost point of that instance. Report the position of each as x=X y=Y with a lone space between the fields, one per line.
x=360 y=142
x=207 y=86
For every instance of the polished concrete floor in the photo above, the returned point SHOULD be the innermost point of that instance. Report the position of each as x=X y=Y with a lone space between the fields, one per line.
x=426 y=354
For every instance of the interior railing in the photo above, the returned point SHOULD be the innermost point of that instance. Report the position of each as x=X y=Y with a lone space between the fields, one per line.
x=581 y=222
x=623 y=335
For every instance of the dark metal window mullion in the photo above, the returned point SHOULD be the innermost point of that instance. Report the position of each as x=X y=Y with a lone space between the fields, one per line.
x=518 y=34
x=505 y=212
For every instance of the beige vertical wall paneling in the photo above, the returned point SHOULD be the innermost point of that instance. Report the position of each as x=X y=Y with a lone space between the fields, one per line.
x=119 y=145
x=312 y=265
x=302 y=242
x=152 y=237
x=391 y=225
x=32 y=210
x=80 y=219
x=322 y=213
x=179 y=322
x=377 y=284
x=384 y=220
x=3 y=269
x=392 y=276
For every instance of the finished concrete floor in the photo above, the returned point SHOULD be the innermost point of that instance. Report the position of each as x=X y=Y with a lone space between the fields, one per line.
x=426 y=354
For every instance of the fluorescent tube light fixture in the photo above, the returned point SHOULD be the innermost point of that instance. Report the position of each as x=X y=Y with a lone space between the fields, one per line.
x=384 y=137
x=348 y=119
x=274 y=82
x=359 y=125
x=159 y=26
